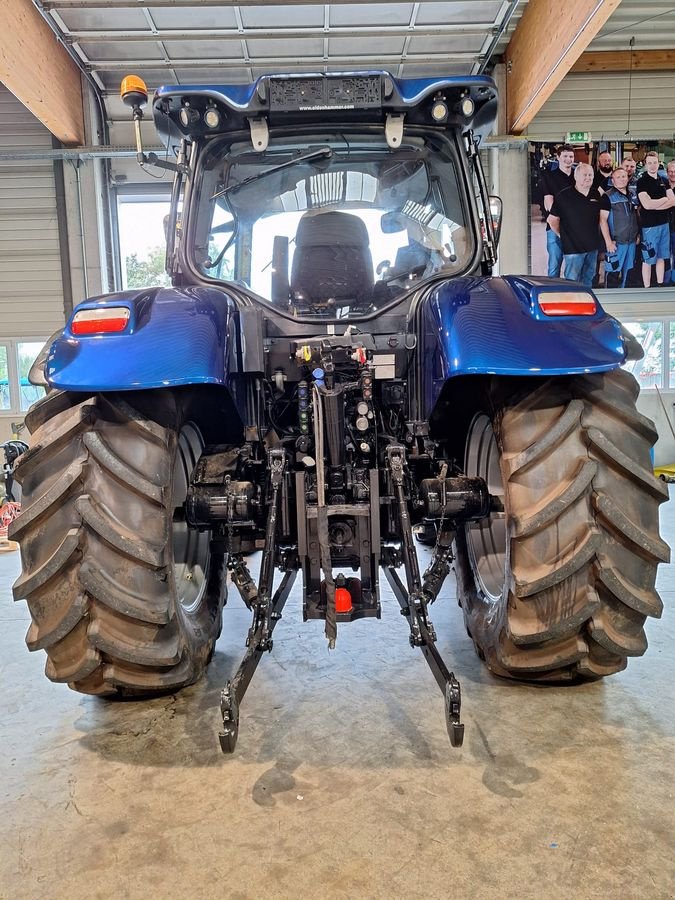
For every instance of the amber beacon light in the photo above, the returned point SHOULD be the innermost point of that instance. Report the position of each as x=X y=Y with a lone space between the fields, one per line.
x=133 y=91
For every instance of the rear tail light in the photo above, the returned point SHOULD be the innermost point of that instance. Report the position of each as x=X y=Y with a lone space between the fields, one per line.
x=567 y=303
x=100 y=321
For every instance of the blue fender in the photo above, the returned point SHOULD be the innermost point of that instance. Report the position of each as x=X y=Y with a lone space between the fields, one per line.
x=495 y=326
x=173 y=337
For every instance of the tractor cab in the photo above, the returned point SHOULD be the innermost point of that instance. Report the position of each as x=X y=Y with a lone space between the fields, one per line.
x=328 y=196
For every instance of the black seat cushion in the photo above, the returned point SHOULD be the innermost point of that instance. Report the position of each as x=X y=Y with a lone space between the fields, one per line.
x=332 y=259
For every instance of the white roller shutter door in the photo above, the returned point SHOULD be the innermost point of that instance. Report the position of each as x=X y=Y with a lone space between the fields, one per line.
x=31 y=287
x=598 y=102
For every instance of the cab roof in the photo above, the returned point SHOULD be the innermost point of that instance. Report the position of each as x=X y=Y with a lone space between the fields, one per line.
x=342 y=97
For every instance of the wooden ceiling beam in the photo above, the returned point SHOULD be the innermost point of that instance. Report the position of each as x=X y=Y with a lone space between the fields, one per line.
x=36 y=68
x=547 y=42
x=620 y=61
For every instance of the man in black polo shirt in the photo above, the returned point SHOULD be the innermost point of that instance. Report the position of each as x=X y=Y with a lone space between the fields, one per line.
x=603 y=177
x=575 y=217
x=556 y=180
x=655 y=201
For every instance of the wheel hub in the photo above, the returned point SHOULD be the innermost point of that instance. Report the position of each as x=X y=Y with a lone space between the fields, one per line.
x=486 y=538
x=191 y=547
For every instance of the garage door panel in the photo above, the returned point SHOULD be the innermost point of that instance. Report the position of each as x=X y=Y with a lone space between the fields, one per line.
x=31 y=287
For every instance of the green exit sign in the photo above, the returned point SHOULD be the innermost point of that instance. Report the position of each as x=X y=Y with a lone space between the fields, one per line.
x=578 y=137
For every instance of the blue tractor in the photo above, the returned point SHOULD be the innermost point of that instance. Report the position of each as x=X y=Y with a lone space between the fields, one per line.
x=334 y=371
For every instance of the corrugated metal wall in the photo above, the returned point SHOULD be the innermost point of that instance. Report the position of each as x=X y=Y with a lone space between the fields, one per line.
x=31 y=287
x=599 y=103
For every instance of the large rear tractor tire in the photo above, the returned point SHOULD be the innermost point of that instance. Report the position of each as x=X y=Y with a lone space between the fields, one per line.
x=124 y=597
x=559 y=585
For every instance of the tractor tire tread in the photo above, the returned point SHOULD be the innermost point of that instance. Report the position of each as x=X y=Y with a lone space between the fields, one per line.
x=95 y=545
x=581 y=579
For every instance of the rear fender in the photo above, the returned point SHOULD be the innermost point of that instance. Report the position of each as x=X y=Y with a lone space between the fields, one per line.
x=173 y=337
x=496 y=326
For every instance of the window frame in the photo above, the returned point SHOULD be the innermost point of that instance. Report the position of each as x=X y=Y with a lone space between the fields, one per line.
x=136 y=193
x=666 y=322
x=12 y=346
x=13 y=395
x=15 y=349
x=466 y=195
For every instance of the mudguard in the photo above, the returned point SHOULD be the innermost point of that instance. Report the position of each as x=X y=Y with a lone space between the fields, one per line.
x=173 y=337
x=480 y=326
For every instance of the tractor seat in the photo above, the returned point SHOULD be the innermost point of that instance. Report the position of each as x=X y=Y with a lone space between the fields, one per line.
x=332 y=261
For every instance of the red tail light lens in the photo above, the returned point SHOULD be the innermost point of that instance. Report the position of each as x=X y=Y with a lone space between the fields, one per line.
x=100 y=321
x=567 y=303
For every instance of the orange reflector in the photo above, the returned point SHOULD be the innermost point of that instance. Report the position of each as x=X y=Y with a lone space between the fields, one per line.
x=343 y=600
x=133 y=84
x=567 y=303
x=100 y=321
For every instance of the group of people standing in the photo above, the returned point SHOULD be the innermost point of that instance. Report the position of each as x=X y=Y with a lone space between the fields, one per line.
x=609 y=212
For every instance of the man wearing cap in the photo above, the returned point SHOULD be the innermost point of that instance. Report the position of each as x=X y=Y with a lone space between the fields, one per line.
x=620 y=228
x=575 y=217
x=655 y=201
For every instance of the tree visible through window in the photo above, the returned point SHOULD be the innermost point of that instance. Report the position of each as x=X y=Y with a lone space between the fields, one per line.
x=142 y=242
x=147 y=272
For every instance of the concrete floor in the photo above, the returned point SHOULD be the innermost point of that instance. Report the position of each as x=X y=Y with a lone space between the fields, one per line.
x=344 y=783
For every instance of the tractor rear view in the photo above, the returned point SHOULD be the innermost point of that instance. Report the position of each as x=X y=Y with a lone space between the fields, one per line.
x=334 y=371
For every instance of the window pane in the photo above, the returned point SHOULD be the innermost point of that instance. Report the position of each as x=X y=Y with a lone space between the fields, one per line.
x=649 y=369
x=337 y=231
x=4 y=379
x=26 y=353
x=222 y=247
x=143 y=243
